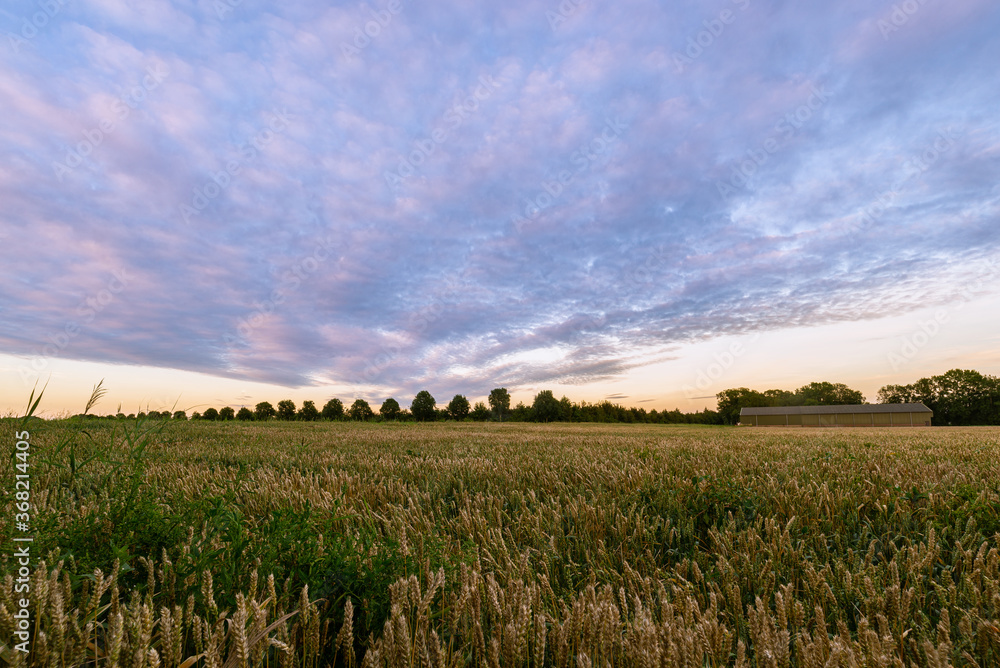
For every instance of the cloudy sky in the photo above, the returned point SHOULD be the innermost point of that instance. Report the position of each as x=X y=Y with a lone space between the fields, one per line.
x=225 y=201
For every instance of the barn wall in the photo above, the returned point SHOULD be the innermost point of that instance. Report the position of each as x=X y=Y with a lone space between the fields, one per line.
x=921 y=419
x=840 y=420
x=771 y=420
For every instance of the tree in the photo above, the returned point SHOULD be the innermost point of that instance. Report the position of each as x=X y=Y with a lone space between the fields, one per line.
x=423 y=407
x=828 y=394
x=333 y=410
x=458 y=407
x=286 y=409
x=210 y=414
x=957 y=397
x=706 y=417
x=566 y=409
x=545 y=407
x=520 y=413
x=500 y=402
x=227 y=413
x=731 y=401
x=308 y=412
x=178 y=415
x=194 y=416
x=264 y=411
x=244 y=414
x=480 y=413
x=390 y=409
x=963 y=396
x=780 y=398
x=360 y=410
x=895 y=394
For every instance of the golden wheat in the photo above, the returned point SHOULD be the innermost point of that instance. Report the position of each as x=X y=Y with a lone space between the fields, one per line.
x=565 y=545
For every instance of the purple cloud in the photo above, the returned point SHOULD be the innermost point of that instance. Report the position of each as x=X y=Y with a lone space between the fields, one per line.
x=445 y=206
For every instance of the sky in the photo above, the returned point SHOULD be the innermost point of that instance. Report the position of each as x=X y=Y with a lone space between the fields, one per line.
x=220 y=202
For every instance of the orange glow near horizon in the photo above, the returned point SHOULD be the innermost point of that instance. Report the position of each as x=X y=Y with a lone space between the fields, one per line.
x=785 y=359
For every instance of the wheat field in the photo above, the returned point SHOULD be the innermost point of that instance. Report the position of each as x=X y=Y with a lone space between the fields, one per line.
x=486 y=544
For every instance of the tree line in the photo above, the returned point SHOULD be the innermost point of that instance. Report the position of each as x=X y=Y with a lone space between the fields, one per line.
x=957 y=397
x=814 y=394
x=424 y=408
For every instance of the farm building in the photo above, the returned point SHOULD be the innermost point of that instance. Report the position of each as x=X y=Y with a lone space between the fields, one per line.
x=858 y=415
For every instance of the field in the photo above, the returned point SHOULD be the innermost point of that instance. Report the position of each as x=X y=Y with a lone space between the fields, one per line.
x=468 y=544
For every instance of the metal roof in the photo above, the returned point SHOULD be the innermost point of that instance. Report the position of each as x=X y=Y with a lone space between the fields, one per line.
x=844 y=408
